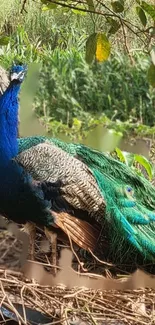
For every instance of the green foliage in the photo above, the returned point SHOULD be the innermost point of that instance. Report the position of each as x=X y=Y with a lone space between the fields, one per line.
x=117 y=6
x=44 y=28
x=20 y=48
x=73 y=97
x=151 y=75
x=121 y=156
x=70 y=88
x=91 y=5
x=91 y=44
x=4 y=40
x=144 y=167
x=114 y=25
x=146 y=164
x=150 y=9
x=142 y=16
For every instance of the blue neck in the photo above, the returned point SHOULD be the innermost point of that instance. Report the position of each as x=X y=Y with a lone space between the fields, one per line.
x=9 y=123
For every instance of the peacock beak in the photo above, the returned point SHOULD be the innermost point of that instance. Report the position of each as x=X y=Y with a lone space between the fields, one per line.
x=17 y=76
x=14 y=76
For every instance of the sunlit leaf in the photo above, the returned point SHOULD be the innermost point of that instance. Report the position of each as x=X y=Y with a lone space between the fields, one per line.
x=77 y=123
x=48 y=5
x=146 y=164
x=117 y=6
x=4 y=40
x=150 y=9
x=45 y=8
x=90 y=5
x=103 y=47
x=78 y=11
x=141 y=15
x=91 y=47
x=121 y=156
x=151 y=75
x=152 y=53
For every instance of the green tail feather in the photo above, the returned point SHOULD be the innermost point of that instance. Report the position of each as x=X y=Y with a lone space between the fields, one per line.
x=135 y=223
x=130 y=199
x=130 y=213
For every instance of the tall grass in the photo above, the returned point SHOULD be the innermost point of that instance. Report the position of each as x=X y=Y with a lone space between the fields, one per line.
x=70 y=91
x=49 y=28
x=70 y=88
x=61 y=26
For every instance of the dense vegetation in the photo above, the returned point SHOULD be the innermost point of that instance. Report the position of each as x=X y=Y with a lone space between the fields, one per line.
x=70 y=88
x=73 y=96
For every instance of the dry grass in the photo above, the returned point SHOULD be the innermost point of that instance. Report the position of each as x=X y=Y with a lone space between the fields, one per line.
x=76 y=306
x=63 y=305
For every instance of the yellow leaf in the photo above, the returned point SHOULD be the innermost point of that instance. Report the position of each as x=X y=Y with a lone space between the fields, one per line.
x=103 y=47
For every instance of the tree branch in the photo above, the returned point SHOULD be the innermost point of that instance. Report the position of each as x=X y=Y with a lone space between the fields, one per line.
x=110 y=13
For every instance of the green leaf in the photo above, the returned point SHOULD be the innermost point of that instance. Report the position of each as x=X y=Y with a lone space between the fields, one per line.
x=4 y=40
x=90 y=5
x=103 y=47
x=115 y=25
x=48 y=5
x=141 y=15
x=125 y=157
x=45 y=8
x=91 y=47
x=150 y=9
x=117 y=6
x=79 y=12
x=77 y=123
x=146 y=164
x=152 y=54
x=121 y=156
x=151 y=75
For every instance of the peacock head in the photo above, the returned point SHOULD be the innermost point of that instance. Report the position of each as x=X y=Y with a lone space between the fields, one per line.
x=17 y=73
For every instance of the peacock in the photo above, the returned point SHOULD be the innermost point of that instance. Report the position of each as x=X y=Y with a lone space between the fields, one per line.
x=73 y=189
x=18 y=184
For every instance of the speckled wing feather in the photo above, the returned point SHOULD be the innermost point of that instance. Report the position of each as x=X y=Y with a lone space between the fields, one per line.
x=46 y=162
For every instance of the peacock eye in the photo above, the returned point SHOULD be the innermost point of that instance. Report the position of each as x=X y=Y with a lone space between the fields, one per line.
x=129 y=189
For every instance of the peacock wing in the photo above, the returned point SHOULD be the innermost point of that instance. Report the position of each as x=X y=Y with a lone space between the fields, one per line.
x=48 y=163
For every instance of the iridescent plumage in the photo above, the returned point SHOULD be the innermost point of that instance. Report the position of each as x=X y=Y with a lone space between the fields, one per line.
x=85 y=185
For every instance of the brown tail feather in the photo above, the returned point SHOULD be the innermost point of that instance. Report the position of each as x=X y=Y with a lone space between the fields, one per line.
x=81 y=232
